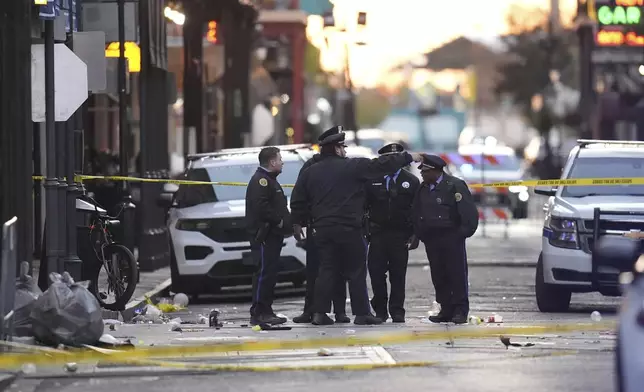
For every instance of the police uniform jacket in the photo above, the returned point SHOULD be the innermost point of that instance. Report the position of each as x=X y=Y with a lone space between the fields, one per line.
x=389 y=205
x=331 y=192
x=448 y=208
x=313 y=160
x=266 y=204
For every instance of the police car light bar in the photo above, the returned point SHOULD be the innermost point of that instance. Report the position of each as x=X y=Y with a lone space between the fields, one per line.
x=584 y=143
x=246 y=150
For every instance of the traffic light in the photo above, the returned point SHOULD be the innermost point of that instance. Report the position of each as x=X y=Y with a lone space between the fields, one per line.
x=211 y=35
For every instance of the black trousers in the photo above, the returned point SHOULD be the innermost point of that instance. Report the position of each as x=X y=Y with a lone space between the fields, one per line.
x=448 y=263
x=342 y=252
x=388 y=253
x=312 y=269
x=267 y=259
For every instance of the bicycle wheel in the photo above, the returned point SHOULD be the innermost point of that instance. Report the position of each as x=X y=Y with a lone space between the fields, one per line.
x=121 y=272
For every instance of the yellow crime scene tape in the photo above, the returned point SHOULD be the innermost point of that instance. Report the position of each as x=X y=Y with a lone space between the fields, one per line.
x=13 y=360
x=505 y=184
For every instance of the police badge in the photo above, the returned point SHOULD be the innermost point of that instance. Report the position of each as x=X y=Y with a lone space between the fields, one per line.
x=405 y=185
x=458 y=196
x=439 y=200
x=263 y=182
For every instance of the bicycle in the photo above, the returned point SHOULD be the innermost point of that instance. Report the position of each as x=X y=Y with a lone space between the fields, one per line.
x=117 y=260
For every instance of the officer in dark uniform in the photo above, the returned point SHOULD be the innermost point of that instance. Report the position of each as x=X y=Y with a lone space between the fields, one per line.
x=313 y=264
x=268 y=222
x=444 y=216
x=330 y=194
x=391 y=234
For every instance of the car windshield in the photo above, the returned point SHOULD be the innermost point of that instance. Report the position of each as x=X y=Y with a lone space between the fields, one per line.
x=608 y=167
x=500 y=163
x=191 y=195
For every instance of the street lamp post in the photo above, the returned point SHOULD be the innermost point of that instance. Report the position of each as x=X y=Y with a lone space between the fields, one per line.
x=349 y=104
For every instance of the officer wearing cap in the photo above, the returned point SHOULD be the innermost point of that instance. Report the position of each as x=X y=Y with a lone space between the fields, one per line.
x=268 y=222
x=330 y=195
x=444 y=216
x=388 y=207
x=313 y=264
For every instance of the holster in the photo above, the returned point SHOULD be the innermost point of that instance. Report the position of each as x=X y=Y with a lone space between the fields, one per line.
x=262 y=233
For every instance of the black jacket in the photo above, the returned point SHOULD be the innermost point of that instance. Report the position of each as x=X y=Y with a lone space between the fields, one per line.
x=266 y=204
x=391 y=209
x=331 y=191
x=448 y=208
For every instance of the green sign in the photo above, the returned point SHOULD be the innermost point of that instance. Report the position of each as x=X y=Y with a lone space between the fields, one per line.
x=607 y=15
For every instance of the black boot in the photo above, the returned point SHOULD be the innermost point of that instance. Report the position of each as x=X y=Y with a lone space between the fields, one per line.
x=342 y=318
x=322 y=319
x=368 y=319
x=267 y=319
x=460 y=317
x=444 y=316
x=304 y=318
x=398 y=318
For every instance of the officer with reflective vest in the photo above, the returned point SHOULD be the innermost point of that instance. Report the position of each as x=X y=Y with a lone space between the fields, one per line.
x=444 y=216
x=390 y=234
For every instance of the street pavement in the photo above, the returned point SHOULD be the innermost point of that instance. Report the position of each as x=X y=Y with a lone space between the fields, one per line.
x=577 y=361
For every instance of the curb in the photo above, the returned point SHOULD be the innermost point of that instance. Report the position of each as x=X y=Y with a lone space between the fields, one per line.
x=160 y=289
x=485 y=263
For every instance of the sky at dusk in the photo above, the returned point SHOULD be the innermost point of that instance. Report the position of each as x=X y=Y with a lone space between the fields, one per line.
x=398 y=29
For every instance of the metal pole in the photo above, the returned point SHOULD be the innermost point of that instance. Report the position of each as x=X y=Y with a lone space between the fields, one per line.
x=350 y=112
x=71 y=262
x=37 y=169
x=51 y=182
x=126 y=205
x=61 y=222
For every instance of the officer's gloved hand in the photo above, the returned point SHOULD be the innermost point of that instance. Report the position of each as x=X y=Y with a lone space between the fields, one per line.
x=413 y=242
x=298 y=232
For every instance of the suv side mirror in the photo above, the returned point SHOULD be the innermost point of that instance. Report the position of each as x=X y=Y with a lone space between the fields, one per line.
x=545 y=191
x=164 y=200
x=617 y=252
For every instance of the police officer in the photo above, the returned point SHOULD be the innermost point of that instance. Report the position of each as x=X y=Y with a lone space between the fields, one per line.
x=313 y=265
x=445 y=215
x=268 y=222
x=331 y=193
x=388 y=206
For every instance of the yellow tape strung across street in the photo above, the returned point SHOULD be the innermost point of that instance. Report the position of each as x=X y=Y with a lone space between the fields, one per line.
x=505 y=184
x=84 y=356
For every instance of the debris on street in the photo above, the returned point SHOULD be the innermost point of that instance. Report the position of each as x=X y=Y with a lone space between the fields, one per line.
x=506 y=342
x=596 y=316
x=324 y=352
x=67 y=313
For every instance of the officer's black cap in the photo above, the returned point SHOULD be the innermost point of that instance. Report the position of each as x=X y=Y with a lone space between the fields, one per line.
x=391 y=148
x=334 y=135
x=431 y=161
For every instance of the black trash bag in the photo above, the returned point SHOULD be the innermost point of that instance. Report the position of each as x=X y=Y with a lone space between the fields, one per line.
x=27 y=292
x=67 y=313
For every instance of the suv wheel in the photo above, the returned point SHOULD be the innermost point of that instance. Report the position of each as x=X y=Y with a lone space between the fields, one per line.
x=550 y=298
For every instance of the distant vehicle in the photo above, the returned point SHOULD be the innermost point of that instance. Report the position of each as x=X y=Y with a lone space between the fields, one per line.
x=209 y=242
x=577 y=216
x=478 y=163
x=436 y=133
x=374 y=139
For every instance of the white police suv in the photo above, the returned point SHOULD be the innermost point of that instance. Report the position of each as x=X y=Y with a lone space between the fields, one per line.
x=209 y=241
x=576 y=216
